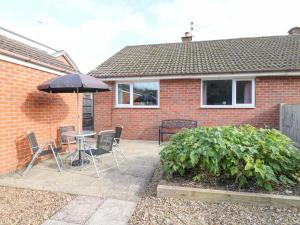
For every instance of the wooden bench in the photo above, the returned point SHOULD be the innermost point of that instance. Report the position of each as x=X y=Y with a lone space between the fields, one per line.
x=173 y=126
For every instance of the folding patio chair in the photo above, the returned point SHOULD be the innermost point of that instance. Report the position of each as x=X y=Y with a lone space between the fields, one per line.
x=67 y=140
x=117 y=138
x=105 y=144
x=41 y=150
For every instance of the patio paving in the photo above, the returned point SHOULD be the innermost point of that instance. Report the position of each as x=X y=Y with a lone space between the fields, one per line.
x=110 y=199
x=126 y=185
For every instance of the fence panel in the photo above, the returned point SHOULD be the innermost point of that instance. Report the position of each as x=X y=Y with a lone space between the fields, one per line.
x=290 y=121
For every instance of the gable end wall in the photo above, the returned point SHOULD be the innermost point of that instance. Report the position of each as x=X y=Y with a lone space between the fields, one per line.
x=23 y=107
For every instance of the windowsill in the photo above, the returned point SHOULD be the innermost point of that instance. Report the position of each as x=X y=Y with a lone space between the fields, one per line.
x=136 y=107
x=228 y=106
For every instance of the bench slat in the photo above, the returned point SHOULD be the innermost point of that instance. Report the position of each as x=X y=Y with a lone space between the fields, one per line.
x=167 y=125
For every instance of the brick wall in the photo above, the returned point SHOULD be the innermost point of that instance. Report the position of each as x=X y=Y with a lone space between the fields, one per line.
x=63 y=59
x=22 y=107
x=181 y=99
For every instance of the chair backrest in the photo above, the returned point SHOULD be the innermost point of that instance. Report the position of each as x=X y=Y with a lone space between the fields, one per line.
x=32 y=141
x=118 y=133
x=105 y=142
x=64 y=139
x=179 y=123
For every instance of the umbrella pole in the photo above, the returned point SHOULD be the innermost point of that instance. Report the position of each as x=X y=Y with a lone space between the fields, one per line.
x=51 y=115
x=78 y=117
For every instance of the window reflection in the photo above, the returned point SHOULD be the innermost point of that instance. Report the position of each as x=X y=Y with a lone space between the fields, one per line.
x=123 y=94
x=217 y=92
x=244 y=92
x=145 y=93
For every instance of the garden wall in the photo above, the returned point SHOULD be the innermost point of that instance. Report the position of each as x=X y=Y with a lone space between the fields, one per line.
x=290 y=121
x=23 y=107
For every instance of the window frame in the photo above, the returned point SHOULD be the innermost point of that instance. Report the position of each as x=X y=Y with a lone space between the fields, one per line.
x=234 y=104
x=131 y=105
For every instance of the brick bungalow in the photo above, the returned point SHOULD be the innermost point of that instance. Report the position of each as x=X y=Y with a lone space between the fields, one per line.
x=218 y=82
x=22 y=68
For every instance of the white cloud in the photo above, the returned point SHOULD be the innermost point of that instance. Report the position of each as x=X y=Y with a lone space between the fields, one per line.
x=110 y=27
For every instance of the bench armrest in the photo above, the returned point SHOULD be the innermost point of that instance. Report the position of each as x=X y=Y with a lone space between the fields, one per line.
x=160 y=128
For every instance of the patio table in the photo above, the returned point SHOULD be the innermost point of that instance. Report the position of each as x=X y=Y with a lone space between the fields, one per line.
x=80 y=138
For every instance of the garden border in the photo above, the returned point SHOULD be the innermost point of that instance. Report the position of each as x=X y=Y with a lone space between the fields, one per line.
x=212 y=195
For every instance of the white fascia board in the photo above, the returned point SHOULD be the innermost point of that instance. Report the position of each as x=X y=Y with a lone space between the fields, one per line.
x=30 y=65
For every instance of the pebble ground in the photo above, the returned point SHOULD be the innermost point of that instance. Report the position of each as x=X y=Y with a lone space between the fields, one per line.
x=29 y=207
x=153 y=210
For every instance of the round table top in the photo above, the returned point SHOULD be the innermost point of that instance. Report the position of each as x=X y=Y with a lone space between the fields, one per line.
x=78 y=134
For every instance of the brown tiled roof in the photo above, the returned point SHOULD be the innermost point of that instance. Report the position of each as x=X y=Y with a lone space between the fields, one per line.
x=259 y=54
x=25 y=52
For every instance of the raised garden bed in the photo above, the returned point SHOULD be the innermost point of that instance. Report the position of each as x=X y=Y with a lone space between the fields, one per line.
x=226 y=184
x=167 y=189
x=245 y=164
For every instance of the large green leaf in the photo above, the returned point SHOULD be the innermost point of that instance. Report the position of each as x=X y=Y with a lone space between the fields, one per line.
x=234 y=170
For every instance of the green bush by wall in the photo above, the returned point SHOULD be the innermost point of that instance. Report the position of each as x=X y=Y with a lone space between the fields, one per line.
x=244 y=153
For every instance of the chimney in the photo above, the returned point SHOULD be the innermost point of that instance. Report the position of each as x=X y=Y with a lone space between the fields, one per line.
x=294 y=31
x=187 y=37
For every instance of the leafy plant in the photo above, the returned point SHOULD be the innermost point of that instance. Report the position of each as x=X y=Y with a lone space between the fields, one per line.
x=244 y=153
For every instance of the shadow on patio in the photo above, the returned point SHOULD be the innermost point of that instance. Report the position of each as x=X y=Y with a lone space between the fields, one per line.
x=126 y=185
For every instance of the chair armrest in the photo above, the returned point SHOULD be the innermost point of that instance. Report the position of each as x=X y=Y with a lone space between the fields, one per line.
x=106 y=131
x=46 y=144
x=70 y=142
x=42 y=146
x=89 y=145
x=117 y=140
x=50 y=141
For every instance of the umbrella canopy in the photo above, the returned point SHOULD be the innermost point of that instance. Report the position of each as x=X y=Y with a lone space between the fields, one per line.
x=73 y=83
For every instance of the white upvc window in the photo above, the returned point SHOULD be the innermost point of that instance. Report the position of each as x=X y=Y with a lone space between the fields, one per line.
x=137 y=94
x=228 y=93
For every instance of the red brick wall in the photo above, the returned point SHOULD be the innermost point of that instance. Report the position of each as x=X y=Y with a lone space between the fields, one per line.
x=64 y=60
x=22 y=107
x=181 y=99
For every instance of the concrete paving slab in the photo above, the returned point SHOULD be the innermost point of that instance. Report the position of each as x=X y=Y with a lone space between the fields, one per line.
x=140 y=171
x=79 y=210
x=54 y=222
x=112 y=212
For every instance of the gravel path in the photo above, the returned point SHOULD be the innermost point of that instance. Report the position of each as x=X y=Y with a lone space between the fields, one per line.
x=153 y=210
x=29 y=207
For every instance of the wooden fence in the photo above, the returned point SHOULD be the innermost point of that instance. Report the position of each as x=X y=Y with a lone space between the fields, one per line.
x=289 y=121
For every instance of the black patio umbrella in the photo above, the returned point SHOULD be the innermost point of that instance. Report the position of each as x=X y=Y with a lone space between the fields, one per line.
x=74 y=83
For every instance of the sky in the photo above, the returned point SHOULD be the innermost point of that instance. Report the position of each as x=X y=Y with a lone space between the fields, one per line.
x=92 y=30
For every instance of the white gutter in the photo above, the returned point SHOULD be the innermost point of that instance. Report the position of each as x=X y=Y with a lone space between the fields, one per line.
x=200 y=76
x=30 y=65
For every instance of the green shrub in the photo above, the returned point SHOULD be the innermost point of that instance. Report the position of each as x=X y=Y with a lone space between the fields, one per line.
x=243 y=153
